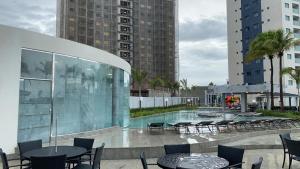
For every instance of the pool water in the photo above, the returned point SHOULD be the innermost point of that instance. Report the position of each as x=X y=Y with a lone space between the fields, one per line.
x=187 y=116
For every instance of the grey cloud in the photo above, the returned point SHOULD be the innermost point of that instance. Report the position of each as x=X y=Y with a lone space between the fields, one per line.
x=34 y=15
x=215 y=28
x=206 y=53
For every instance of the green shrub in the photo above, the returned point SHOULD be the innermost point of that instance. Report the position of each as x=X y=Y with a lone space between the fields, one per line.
x=157 y=110
x=277 y=113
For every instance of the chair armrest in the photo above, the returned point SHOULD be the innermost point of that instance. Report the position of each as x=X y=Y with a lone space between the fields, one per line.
x=235 y=164
x=151 y=164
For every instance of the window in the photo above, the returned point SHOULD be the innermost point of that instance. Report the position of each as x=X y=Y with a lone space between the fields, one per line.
x=287 y=18
x=286 y=5
x=289 y=56
x=288 y=30
x=290 y=82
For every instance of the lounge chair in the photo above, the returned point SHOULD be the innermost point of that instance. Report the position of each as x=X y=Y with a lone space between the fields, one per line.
x=240 y=124
x=159 y=125
x=223 y=123
x=184 y=125
x=256 y=124
x=204 y=124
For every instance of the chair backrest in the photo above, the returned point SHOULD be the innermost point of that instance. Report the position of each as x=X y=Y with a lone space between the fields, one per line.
x=232 y=154
x=29 y=145
x=86 y=143
x=97 y=157
x=179 y=148
x=293 y=147
x=143 y=160
x=257 y=164
x=53 y=162
x=283 y=137
x=4 y=160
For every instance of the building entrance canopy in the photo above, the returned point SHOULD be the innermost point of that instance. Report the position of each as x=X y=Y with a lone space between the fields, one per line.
x=239 y=89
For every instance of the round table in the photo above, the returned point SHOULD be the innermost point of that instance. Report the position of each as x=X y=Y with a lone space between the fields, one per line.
x=191 y=161
x=69 y=151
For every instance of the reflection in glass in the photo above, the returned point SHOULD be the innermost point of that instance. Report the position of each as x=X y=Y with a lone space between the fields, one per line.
x=36 y=64
x=82 y=95
x=34 y=110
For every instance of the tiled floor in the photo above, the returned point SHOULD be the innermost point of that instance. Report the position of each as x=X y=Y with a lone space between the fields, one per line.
x=272 y=160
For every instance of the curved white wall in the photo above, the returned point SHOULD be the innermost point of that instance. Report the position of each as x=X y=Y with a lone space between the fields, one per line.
x=12 y=41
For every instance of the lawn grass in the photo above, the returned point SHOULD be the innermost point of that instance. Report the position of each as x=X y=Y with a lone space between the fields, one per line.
x=277 y=113
x=157 y=110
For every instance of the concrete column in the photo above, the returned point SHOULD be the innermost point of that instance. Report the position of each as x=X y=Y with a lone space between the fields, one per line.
x=243 y=102
x=268 y=101
x=223 y=101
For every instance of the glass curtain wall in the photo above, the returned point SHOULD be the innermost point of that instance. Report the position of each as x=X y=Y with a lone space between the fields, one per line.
x=80 y=93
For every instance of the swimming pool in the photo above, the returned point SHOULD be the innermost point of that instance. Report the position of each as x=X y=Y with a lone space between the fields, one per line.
x=187 y=116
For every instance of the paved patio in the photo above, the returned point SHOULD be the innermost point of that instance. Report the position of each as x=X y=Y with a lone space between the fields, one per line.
x=272 y=160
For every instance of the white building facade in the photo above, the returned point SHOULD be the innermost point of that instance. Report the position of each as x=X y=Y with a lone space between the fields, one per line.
x=246 y=19
x=47 y=82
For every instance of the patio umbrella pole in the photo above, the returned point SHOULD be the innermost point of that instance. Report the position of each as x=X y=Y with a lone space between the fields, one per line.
x=56 y=133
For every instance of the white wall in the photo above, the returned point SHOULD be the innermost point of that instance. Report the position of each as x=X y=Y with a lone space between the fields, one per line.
x=234 y=26
x=148 y=102
x=12 y=40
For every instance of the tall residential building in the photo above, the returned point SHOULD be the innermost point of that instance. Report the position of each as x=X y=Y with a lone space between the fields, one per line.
x=143 y=32
x=248 y=18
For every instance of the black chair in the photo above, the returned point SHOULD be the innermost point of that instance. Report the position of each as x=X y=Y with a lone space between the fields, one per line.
x=96 y=161
x=28 y=146
x=285 y=150
x=233 y=155
x=53 y=162
x=257 y=164
x=4 y=161
x=144 y=161
x=293 y=149
x=86 y=143
x=179 y=148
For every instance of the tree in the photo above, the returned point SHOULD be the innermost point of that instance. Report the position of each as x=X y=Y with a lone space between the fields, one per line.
x=154 y=84
x=175 y=87
x=184 y=86
x=260 y=48
x=281 y=42
x=139 y=78
x=295 y=75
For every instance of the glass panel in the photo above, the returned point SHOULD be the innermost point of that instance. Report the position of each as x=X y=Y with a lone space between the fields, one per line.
x=36 y=64
x=122 y=109
x=67 y=83
x=34 y=110
x=82 y=95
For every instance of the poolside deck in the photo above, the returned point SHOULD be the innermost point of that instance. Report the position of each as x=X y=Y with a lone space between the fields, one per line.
x=124 y=143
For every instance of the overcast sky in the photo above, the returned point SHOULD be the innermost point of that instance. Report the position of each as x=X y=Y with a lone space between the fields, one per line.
x=203 y=41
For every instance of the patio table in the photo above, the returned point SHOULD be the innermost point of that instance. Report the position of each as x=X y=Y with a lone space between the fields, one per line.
x=191 y=161
x=70 y=152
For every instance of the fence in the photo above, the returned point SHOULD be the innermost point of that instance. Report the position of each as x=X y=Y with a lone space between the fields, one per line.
x=147 y=102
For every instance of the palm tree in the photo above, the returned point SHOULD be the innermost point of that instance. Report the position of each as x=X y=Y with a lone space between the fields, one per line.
x=154 y=84
x=281 y=42
x=184 y=86
x=175 y=87
x=295 y=75
x=259 y=48
x=139 y=77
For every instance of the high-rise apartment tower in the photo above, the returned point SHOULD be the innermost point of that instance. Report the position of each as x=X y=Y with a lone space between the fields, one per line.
x=143 y=32
x=248 y=18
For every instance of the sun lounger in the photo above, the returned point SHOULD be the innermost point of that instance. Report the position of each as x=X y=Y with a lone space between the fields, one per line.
x=159 y=125
x=184 y=125
x=204 y=124
x=223 y=123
